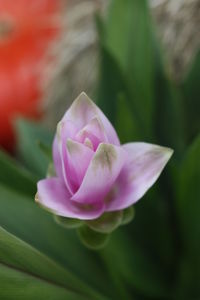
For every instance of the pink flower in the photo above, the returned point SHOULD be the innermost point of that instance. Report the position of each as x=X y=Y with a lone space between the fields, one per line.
x=94 y=173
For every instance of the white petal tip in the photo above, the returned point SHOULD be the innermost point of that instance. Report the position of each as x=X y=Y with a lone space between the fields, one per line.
x=168 y=152
x=83 y=97
x=83 y=94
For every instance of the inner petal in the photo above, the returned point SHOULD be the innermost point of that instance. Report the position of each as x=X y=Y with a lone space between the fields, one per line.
x=84 y=135
x=93 y=131
x=78 y=159
x=88 y=143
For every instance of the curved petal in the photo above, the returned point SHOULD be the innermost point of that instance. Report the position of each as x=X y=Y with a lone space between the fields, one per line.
x=94 y=131
x=65 y=130
x=144 y=164
x=78 y=160
x=53 y=195
x=83 y=110
x=102 y=172
x=57 y=159
x=109 y=129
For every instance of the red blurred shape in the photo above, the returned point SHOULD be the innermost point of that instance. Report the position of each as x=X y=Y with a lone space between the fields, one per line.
x=26 y=29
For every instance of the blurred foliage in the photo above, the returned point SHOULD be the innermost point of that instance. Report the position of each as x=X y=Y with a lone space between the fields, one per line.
x=157 y=255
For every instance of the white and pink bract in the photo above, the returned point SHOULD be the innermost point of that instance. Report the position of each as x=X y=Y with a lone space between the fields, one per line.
x=94 y=172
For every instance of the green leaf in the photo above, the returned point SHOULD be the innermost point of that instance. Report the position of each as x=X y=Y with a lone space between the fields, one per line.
x=132 y=265
x=126 y=124
x=29 y=134
x=189 y=196
x=111 y=84
x=188 y=208
x=168 y=119
x=114 y=98
x=21 y=286
x=22 y=259
x=128 y=38
x=33 y=225
x=128 y=215
x=46 y=149
x=68 y=223
x=191 y=92
x=15 y=177
x=107 y=223
x=152 y=234
x=92 y=239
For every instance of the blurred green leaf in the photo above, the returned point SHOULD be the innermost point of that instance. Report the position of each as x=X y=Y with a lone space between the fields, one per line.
x=191 y=92
x=111 y=84
x=152 y=232
x=125 y=124
x=188 y=208
x=19 y=285
x=168 y=119
x=114 y=97
x=189 y=195
x=15 y=177
x=128 y=38
x=28 y=222
x=46 y=149
x=134 y=266
x=29 y=135
x=22 y=260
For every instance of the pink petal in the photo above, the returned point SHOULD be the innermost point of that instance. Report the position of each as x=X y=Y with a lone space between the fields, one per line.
x=53 y=195
x=57 y=159
x=83 y=110
x=101 y=174
x=109 y=129
x=144 y=164
x=65 y=130
x=94 y=130
x=78 y=160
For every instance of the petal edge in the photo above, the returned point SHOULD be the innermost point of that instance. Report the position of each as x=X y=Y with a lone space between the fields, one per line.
x=143 y=167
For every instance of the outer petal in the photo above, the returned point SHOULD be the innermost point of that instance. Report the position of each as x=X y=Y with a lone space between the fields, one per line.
x=78 y=160
x=65 y=130
x=57 y=159
x=144 y=164
x=101 y=174
x=53 y=195
x=83 y=110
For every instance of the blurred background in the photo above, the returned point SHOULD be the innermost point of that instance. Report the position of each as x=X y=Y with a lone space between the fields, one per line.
x=57 y=52
x=140 y=61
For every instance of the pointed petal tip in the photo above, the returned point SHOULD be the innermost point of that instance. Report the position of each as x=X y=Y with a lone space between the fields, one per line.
x=105 y=155
x=71 y=145
x=37 y=198
x=83 y=97
x=41 y=205
x=83 y=94
x=168 y=152
x=80 y=107
x=59 y=129
x=143 y=167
